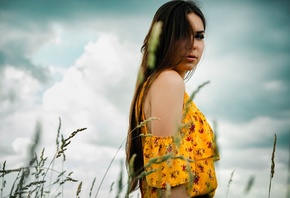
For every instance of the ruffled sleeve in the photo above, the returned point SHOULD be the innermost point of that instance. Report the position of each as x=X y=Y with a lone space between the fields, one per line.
x=185 y=158
x=166 y=161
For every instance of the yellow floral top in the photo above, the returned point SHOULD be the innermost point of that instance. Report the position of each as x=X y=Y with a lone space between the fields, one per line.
x=185 y=158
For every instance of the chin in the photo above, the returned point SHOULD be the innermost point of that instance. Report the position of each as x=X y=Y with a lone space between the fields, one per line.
x=191 y=68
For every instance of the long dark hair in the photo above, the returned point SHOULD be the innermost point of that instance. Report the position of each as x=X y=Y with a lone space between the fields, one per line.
x=176 y=39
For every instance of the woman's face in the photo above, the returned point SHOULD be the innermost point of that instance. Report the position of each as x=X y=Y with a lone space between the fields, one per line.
x=190 y=60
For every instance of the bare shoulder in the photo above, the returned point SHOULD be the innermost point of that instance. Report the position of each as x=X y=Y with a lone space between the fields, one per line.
x=168 y=80
x=166 y=95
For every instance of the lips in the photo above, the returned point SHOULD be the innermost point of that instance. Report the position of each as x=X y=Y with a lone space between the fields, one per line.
x=191 y=57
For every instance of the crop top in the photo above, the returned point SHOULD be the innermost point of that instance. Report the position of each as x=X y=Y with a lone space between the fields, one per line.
x=185 y=158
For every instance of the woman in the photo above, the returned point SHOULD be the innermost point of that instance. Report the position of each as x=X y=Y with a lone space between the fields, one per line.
x=175 y=153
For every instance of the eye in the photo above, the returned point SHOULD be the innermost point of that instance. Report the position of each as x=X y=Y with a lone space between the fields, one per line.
x=199 y=36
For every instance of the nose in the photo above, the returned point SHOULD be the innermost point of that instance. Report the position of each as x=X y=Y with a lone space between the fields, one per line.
x=194 y=46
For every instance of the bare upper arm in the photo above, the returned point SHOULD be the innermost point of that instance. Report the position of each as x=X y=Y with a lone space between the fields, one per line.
x=166 y=102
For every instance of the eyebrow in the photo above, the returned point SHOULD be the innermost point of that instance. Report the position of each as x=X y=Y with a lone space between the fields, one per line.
x=200 y=32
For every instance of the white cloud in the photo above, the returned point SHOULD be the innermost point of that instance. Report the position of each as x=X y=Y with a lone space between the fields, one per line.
x=81 y=100
x=58 y=34
x=14 y=79
x=19 y=101
x=275 y=85
x=82 y=96
x=20 y=146
x=251 y=133
x=247 y=149
x=86 y=97
x=95 y=92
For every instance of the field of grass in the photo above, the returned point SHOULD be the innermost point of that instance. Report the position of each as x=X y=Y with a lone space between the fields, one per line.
x=40 y=178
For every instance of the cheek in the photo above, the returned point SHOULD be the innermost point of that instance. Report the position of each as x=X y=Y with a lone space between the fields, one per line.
x=201 y=47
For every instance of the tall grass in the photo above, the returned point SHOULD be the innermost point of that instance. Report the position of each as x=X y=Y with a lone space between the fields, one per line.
x=251 y=180
x=35 y=179
x=272 y=165
x=229 y=183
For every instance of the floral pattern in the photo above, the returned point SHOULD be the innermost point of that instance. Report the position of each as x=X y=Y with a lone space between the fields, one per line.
x=185 y=158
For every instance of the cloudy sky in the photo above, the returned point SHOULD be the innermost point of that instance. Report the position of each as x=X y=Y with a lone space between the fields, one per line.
x=77 y=60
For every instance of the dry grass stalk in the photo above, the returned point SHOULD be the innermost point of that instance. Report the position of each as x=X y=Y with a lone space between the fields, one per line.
x=138 y=126
x=3 y=179
x=120 y=181
x=272 y=165
x=153 y=43
x=31 y=181
x=191 y=97
x=229 y=183
x=216 y=148
x=168 y=190
x=66 y=142
x=92 y=186
x=111 y=187
x=79 y=190
x=249 y=184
